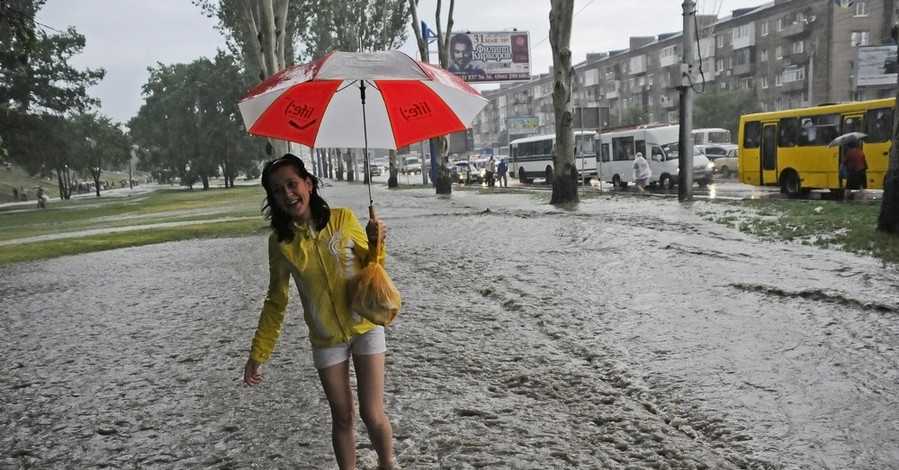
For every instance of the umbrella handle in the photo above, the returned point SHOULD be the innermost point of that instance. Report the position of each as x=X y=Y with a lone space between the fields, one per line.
x=374 y=246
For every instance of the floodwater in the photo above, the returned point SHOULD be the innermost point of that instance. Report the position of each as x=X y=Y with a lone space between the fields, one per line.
x=627 y=333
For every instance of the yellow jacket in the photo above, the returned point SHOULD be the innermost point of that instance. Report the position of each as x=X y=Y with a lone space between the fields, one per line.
x=320 y=264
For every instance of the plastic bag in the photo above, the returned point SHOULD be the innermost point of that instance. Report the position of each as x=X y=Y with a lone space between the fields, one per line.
x=375 y=296
x=844 y=172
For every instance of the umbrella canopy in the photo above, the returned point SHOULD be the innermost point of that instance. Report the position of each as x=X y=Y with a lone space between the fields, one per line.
x=360 y=100
x=848 y=138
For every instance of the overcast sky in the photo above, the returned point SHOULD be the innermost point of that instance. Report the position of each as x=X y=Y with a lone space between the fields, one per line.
x=127 y=36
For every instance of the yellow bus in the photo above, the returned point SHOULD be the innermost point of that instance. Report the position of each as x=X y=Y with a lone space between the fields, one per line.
x=790 y=149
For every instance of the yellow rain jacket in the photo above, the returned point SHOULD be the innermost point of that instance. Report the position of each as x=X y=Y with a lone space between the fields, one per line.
x=320 y=264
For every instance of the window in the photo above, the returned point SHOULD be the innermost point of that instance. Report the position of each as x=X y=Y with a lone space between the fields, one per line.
x=719 y=65
x=780 y=24
x=764 y=55
x=788 y=132
x=819 y=130
x=794 y=74
x=752 y=133
x=719 y=40
x=764 y=82
x=778 y=82
x=861 y=9
x=859 y=38
x=797 y=47
x=764 y=28
x=778 y=53
x=879 y=125
x=743 y=56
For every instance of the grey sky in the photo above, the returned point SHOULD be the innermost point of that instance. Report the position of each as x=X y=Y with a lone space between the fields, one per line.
x=127 y=36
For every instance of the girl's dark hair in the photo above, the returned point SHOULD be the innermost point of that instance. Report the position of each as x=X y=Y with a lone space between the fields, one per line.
x=281 y=223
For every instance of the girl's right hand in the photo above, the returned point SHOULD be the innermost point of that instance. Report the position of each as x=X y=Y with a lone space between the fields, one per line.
x=251 y=374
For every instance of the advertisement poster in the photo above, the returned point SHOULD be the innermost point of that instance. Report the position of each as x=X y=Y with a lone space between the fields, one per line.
x=491 y=56
x=523 y=125
x=877 y=66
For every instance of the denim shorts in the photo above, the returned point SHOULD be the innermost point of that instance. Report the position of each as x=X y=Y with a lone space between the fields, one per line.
x=371 y=342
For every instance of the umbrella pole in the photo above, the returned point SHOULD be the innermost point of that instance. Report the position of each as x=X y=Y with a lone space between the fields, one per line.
x=371 y=201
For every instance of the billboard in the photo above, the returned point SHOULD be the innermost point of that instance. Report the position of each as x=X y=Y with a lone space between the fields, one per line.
x=523 y=125
x=877 y=66
x=491 y=56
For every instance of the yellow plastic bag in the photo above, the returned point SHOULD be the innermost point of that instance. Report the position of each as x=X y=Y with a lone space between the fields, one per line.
x=375 y=297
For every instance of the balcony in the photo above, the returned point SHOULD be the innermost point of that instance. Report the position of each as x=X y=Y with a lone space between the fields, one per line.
x=743 y=69
x=795 y=29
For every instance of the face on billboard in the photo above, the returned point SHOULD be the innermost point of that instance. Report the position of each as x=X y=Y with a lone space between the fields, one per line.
x=461 y=54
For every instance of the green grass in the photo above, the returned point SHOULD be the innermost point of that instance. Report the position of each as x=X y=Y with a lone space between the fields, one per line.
x=826 y=224
x=226 y=212
x=235 y=212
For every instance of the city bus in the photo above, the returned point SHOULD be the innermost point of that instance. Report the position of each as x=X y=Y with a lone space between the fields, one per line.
x=711 y=135
x=532 y=157
x=790 y=149
x=659 y=144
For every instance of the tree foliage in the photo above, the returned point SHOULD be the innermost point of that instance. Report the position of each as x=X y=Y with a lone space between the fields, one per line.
x=38 y=87
x=190 y=127
x=723 y=109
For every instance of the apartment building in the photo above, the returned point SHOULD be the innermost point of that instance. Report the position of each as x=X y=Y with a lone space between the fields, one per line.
x=788 y=53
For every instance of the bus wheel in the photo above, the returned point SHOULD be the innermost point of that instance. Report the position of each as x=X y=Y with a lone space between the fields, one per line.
x=521 y=176
x=665 y=181
x=725 y=171
x=549 y=175
x=790 y=185
x=616 y=181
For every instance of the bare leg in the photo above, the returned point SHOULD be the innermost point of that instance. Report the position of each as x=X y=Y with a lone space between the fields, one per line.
x=370 y=380
x=336 y=384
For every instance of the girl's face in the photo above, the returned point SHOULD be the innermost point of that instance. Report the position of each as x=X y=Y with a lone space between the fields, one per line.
x=292 y=193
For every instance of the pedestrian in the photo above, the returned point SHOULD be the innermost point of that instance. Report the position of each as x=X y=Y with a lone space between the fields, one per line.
x=642 y=172
x=15 y=194
x=321 y=248
x=503 y=169
x=490 y=170
x=41 y=198
x=857 y=166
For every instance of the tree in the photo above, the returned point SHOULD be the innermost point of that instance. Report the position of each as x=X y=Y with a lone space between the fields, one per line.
x=723 y=109
x=565 y=175
x=38 y=86
x=189 y=126
x=888 y=220
x=440 y=144
x=100 y=144
x=263 y=34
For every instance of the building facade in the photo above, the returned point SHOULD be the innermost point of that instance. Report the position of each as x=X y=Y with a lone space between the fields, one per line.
x=788 y=53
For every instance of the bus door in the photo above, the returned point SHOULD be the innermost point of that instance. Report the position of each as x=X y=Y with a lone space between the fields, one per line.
x=768 y=160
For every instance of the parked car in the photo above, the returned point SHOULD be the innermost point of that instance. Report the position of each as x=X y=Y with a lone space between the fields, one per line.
x=726 y=165
x=464 y=172
x=715 y=151
x=411 y=166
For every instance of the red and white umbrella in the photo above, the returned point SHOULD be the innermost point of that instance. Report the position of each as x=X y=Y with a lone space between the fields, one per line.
x=360 y=100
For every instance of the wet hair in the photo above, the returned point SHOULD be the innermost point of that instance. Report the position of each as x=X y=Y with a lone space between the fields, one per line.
x=281 y=222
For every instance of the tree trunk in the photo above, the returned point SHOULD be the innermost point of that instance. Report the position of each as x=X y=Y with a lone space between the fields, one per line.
x=565 y=176
x=443 y=184
x=392 y=170
x=888 y=221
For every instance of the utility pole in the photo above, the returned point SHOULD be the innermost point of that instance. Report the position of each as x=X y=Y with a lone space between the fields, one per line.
x=685 y=150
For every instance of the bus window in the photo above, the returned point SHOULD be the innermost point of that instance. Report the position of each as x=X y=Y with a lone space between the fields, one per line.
x=769 y=148
x=641 y=147
x=584 y=144
x=852 y=124
x=752 y=133
x=657 y=154
x=605 y=153
x=789 y=132
x=819 y=130
x=623 y=148
x=879 y=125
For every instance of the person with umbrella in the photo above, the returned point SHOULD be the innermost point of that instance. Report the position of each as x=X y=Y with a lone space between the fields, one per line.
x=857 y=166
x=321 y=248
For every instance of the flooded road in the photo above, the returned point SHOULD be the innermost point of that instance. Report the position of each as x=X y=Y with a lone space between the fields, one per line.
x=628 y=333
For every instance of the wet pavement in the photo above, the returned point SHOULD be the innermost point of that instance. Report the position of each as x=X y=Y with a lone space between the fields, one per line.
x=628 y=333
